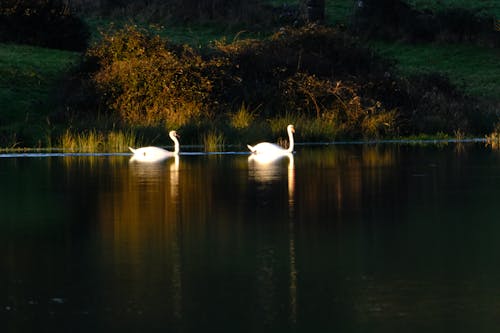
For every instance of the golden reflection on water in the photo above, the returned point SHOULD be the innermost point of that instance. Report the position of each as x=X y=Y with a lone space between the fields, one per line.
x=157 y=204
x=142 y=212
x=338 y=175
x=291 y=241
x=265 y=169
x=193 y=219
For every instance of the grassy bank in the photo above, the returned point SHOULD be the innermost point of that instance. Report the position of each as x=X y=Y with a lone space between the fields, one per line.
x=472 y=67
x=28 y=79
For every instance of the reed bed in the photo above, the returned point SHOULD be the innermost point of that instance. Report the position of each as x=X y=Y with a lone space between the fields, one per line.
x=213 y=141
x=94 y=141
x=493 y=140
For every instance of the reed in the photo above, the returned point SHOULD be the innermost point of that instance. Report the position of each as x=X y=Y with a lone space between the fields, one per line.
x=94 y=141
x=307 y=129
x=120 y=141
x=213 y=141
x=243 y=118
x=493 y=139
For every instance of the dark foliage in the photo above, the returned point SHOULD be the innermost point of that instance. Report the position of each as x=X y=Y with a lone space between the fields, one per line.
x=230 y=12
x=261 y=67
x=395 y=19
x=46 y=23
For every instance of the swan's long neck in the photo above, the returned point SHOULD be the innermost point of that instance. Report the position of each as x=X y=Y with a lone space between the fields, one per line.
x=290 y=137
x=176 y=144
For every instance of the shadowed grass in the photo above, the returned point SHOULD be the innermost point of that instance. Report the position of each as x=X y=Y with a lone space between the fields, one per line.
x=470 y=66
x=28 y=76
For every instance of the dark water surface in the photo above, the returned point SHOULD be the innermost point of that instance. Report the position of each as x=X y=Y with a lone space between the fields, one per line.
x=345 y=238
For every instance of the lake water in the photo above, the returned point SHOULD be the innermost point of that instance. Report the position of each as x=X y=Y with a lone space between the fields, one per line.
x=339 y=238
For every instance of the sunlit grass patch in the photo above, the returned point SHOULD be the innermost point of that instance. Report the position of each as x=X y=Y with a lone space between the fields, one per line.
x=120 y=141
x=213 y=141
x=493 y=139
x=306 y=129
x=91 y=141
x=94 y=141
x=243 y=118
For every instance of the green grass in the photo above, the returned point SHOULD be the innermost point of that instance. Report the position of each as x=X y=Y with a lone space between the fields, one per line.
x=340 y=11
x=195 y=35
x=475 y=68
x=27 y=77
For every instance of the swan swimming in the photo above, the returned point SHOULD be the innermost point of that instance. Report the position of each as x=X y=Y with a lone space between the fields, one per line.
x=272 y=148
x=155 y=154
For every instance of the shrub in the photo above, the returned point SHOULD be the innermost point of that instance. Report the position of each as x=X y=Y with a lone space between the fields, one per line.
x=146 y=82
x=434 y=104
x=313 y=74
x=338 y=104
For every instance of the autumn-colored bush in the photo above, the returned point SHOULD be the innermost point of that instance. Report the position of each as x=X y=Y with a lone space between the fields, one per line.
x=338 y=104
x=145 y=81
x=310 y=71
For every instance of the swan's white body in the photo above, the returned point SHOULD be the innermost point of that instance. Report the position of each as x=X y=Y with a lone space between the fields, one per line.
x=155 y=154
x=272 y=148
x=267 y=159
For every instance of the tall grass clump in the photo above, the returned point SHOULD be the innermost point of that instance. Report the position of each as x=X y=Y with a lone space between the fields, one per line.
x=493 y=138
x=213 y=141
x=242 y=118
x=91 y=141
x=117 y=141
x=94 y=141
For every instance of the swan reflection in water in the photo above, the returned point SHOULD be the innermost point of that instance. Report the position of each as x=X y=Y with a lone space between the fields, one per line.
x=154 y=173
x=267 y=167
x=157 y=203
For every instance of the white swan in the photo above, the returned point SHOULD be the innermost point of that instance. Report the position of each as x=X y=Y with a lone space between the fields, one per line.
x=264 y=159
x=274 y=149
x=155 y=154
